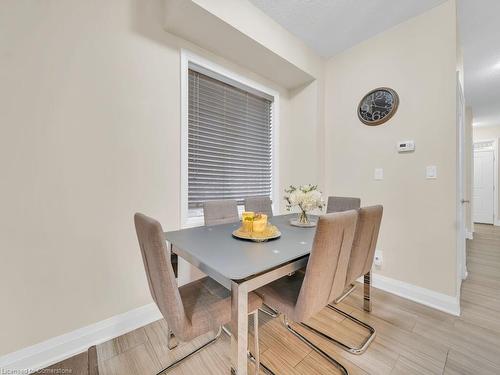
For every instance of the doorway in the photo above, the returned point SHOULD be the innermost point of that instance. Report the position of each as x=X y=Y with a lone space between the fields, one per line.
x=484 y=182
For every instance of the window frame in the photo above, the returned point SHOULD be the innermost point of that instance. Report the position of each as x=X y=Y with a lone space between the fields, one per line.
x=189 y=59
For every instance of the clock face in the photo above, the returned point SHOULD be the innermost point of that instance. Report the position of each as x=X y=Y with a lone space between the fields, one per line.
x=378 y=106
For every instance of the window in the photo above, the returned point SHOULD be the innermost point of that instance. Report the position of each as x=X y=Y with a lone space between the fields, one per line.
x=229 y=140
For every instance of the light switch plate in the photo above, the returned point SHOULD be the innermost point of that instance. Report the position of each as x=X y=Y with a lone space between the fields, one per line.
x=378 y=174
x=431 y=172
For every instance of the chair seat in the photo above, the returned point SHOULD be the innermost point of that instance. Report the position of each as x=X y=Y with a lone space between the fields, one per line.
x=207 y=305
x=283 y=293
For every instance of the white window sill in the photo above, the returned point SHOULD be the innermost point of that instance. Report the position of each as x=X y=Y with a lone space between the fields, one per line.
x=195 y=221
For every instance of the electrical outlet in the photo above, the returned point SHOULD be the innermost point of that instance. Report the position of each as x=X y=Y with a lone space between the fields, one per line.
x=378 y=258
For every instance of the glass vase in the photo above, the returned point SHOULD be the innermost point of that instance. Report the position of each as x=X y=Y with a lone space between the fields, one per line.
x=302 y=218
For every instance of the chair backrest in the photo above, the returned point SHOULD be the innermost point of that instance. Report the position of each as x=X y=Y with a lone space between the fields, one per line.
x=160 y=274
x=339 y=204
x=259 y=204
x=220 y=212
x=365 y=241
x=326 y=269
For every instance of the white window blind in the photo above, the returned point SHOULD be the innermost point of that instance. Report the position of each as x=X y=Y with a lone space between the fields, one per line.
x=229 y=142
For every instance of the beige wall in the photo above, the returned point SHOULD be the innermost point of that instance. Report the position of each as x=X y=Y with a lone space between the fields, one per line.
x=90 y=120
x=417 y=59
x=486 y=133
x=90 y=125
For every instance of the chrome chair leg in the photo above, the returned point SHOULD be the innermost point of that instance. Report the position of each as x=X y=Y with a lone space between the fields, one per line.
x=254 y=359
x=337 y=364
x=346 y=293
x=268 y=310
x=366 y=306
x=359 y=350
x=367 y=287
x=175 y=363
x=266 y=369
x=256 y=344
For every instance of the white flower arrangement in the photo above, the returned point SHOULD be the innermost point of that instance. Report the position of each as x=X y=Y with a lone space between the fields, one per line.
x=306 y=198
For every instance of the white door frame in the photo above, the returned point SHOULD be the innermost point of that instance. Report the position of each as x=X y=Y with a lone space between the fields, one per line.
x=494 y=142
x=460 y=193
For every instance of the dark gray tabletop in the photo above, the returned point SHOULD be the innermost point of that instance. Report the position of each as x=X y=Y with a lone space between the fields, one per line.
x=217 y=253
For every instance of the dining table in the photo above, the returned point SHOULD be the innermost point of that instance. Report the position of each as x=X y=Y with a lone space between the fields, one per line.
x=243 y=266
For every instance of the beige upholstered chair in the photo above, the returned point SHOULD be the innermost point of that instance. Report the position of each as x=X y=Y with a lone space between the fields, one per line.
x=360 y=264
x=339 y=204
x=193 y=309
x=220 y=212
x=259 y=204
x=304 y=294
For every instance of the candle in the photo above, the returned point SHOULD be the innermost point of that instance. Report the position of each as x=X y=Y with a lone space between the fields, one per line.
x=247 y=221
x=260 y=223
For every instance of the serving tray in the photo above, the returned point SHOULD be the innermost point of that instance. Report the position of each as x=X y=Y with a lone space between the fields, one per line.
x=270 y=233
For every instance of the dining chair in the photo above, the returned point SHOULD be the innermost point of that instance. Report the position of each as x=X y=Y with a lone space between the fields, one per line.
x=360 y=264
x=191 y=310
x=304 y=294
x=339 y=204
x=259 y=204
x=220 y=212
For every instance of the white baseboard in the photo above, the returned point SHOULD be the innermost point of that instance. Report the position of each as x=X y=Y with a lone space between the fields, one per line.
x=61 y=347
x=439 y=301
x=469 y=235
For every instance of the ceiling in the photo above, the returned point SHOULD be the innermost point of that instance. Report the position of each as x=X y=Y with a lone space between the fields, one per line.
x=480 y=39
x=331 y=26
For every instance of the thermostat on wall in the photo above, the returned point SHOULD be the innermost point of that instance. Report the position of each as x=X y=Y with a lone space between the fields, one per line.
x=406 y=146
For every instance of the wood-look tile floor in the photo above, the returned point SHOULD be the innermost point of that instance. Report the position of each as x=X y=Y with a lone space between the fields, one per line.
x=411 y=338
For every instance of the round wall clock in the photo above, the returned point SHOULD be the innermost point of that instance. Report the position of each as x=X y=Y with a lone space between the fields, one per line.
x=378 y=106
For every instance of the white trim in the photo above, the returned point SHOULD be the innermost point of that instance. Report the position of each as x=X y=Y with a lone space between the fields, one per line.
x=461 y=250
x=184 y=137
x=61 y=347
x=469 y=235
x=189 y=57
x=494 y=142
x=496 y=219
x=427 y=297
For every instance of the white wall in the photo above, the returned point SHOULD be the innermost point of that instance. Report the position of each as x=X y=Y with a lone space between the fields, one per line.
x=487 y=133
x=90 y=124
x=418 y=59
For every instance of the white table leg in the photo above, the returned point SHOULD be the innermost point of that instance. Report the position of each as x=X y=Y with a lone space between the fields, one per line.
x=239 y=328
